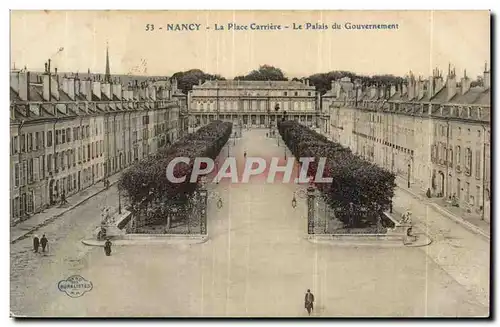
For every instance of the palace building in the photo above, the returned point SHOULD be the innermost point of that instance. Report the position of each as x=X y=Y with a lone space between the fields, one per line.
x=253 y=103
x=70 y=132
x=434 y=133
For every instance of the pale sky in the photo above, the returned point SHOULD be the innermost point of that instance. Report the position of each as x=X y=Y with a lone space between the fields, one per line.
x=424 y=40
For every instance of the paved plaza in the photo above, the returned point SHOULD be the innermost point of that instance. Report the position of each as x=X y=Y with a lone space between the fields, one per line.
x=257 y=262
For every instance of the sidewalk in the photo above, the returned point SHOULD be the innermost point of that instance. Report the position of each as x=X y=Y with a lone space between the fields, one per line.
x=471 y=221
x=25 y=228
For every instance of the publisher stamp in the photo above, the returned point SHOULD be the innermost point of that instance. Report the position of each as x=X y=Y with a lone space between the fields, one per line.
x=75 y=286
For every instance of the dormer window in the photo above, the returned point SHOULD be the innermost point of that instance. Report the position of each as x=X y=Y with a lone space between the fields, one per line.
x=296 y=93
x=285 y=93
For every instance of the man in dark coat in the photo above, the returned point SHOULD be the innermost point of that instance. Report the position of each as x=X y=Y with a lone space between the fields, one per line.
x=309 y=301
x=107 y=247
x=36 y=244
x=44 y=242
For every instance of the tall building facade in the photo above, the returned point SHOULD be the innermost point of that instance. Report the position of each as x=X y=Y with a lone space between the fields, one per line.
x=434 y=133
x=70 y=132
x=253 y=103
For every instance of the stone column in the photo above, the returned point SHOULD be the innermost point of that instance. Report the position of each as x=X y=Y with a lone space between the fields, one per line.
x=311 y=197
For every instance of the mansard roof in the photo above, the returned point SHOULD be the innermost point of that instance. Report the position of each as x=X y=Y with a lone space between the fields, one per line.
x=230 y=84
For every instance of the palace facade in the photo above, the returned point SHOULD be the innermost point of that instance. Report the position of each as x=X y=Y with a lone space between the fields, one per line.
x=70 y=132
x=253 y=103
x=434 y=133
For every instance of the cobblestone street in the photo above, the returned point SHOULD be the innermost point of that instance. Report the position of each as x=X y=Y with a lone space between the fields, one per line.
x=257 y=262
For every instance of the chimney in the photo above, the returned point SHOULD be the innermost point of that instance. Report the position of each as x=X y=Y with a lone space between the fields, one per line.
x=465 y=83
x=373 y=91
x=307 y=82
x=486 y=77
x=86 y=89
x=23 y=86
x=96 y=88
x=46 y=87
x=65 y=84
x=421 y=84
x=199 y=82
x=117 y=90
x=71 y=88
x=404 y=89
x=106 y=89
x=77 y=88
x=392 y=90
x=54 y=85
x=14 y=81
x=451 y=84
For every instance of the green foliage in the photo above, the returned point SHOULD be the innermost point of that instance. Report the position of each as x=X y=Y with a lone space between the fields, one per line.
x=147 y=179
x=359 y=192
x=264 y=73
x=323 y=81
x=187 y=79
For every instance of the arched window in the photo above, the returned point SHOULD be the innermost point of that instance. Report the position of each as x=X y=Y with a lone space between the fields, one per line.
x=450 y=157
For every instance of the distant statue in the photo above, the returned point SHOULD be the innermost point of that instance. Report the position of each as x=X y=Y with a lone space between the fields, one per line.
x=406 y=218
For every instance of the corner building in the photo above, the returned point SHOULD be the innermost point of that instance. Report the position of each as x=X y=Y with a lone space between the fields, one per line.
x=433 y=133
x=71 y=132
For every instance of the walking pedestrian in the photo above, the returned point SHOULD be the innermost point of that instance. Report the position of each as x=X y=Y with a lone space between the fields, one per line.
x=309 y=301
x=36 y=244
x=44 y=242
x=107 y=247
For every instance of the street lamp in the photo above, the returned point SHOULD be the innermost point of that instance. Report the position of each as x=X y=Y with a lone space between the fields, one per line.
x=119 y=201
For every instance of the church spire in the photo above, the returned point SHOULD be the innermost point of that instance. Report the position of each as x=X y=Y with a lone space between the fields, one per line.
x=107 y=77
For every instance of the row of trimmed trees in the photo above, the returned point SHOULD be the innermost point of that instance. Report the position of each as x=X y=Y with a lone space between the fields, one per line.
x=147 y=182
x=359 y=192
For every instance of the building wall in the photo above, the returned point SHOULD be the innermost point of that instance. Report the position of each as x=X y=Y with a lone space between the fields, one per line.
x=431 y=145
x=252 y=104
x=52 y=153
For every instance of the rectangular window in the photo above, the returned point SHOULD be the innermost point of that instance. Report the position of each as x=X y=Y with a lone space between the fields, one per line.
x=30 y=170
x=30 y=142
x=56 y=161
x=37 y=140
x=24 y=172
x=49 y=138
x=49 y=162
x=63 y=132
x=23 y=142
x=30 y=201
x=102 y=146
x=16 y=175
x=15 y=144
x=478 y=163
x=68 y=134
x=56 y=136
x=36 y=169
x=43 y=139
x=42 y=166
x=79 y=155
x=88 y=151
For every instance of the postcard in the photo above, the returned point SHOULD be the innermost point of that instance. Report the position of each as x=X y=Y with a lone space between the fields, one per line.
x=304 y=164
